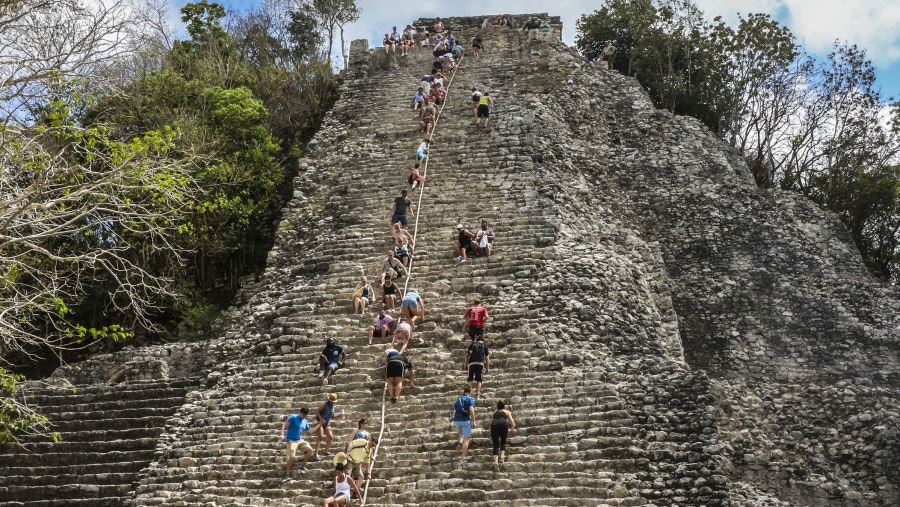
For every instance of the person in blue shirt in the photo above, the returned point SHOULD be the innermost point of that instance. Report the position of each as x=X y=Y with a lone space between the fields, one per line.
x=331 y=358
x=292 y=434
x=464 y=420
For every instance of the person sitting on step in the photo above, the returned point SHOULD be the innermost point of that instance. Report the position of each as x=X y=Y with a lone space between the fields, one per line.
x=398 y=232
x=402 y=207
x=390 y=293
x=382 y=326
x=415 y=177
x=421 y=152
x=362 y=296
x=484 y=240
x=395 y=36
x=392 y=268
x=426 y=120
x=342 y=489
x=463 y=244
x=401 y=252
x=418 y=99
x=331 y=358
x=425 y=83
x=439 y=78
x=437 y=94
x=389 y=45
x=447 y=60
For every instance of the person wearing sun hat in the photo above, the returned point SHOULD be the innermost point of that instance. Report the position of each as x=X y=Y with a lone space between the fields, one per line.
x=463 y=243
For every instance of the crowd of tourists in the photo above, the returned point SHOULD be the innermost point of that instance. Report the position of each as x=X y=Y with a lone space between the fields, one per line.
x=400 y=312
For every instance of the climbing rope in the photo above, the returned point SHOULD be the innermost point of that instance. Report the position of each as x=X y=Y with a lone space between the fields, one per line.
x=374 y=456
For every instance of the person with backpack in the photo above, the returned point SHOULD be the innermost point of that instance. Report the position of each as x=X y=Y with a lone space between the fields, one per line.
x=478 y=362
x=392 y=268
x=464 y=420
x=473 y=321
x=476 y=42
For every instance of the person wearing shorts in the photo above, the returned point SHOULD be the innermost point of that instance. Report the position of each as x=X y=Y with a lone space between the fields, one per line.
x=422 y=150
x=390 y=291
x=331 y=358
x=464 y=420
x=401 y=209
x=412 y=307
x=382 y=326
x=396 y=365
x=324 y=414
x=359 y=458
x=473 y=321
x=403 y=333
x=343 y=486
x=292 y=434
x=485 y=104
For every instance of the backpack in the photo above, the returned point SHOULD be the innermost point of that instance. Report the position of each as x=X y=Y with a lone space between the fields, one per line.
x=476 y=352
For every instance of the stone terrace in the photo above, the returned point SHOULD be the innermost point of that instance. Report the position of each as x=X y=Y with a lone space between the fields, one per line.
x=609 y=312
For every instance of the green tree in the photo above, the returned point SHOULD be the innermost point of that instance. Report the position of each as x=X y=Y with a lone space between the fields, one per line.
x=334 y=15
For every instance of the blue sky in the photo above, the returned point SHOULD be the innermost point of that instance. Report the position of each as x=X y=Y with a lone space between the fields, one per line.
x=873 y=25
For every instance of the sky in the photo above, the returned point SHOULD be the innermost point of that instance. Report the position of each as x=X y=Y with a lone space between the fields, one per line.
x=873 y=25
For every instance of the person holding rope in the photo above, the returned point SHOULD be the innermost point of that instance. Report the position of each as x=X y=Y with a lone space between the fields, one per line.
x=412 y=307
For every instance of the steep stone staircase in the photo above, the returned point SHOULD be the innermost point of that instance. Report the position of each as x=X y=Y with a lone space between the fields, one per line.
x=586 y=343
x=108 y=434
x=620 y=431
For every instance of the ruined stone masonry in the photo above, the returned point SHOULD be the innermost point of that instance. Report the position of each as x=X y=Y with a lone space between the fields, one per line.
x=664 y=332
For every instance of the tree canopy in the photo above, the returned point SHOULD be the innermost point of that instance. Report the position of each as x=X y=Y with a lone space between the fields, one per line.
x=813 y=125
x=140 y=173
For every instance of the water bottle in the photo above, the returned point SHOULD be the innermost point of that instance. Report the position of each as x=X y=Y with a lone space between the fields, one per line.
x=343 y=414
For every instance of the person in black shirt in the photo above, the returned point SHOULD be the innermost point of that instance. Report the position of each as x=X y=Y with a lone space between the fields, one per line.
x=401 y=210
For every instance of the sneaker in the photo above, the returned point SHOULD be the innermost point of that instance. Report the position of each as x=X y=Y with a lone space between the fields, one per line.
x=315 y=457
x=462 y=260
x=394 y=399
x=321 y=374
x=458 y=258
x=325 y=382
x=464 y=462
x=287 y=478
x=303 y=470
